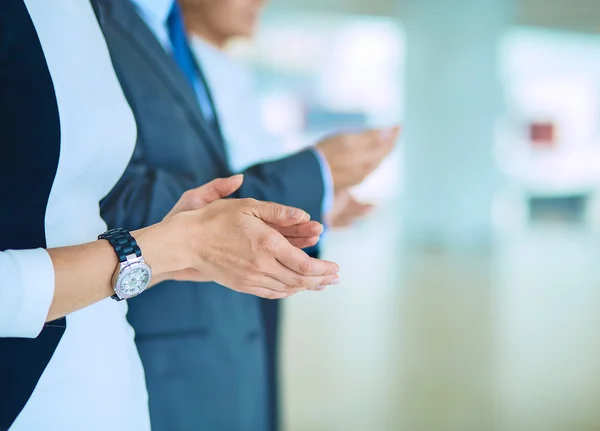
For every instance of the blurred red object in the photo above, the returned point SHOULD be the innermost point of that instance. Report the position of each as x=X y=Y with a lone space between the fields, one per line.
x=542 y=135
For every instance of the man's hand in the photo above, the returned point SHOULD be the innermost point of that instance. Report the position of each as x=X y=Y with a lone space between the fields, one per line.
x=354 y=156
x=346 y=210
x=246 y=245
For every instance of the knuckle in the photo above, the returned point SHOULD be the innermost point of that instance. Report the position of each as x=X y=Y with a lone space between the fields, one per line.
x=299 y=282
x=187 y=198
x=194 y=200
x=268 y=243
x=270 y=294
x=276 y=211
x=304 y=268
x=186 y=195
x=266 y=246
x=248 y=202
x=254 y=266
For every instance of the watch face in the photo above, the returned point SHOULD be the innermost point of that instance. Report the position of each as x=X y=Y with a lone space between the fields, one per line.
x=133 y=280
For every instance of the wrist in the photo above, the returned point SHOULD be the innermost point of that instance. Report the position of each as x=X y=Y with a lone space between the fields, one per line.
x=162 y=248
x=327 y=170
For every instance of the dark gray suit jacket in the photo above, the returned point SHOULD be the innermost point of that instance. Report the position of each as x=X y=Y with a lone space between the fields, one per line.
x=202 y=345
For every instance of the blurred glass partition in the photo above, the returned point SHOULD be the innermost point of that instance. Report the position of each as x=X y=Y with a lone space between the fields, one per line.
x=502 y=337
x=550 y=152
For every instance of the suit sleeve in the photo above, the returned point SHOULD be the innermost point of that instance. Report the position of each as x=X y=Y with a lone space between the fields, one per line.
x=146 y=193
x=296 y=181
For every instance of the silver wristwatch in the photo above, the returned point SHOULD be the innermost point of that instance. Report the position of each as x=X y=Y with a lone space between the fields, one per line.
x=133 y=274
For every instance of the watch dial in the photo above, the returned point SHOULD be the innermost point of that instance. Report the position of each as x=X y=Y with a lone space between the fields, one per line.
x=134 y=282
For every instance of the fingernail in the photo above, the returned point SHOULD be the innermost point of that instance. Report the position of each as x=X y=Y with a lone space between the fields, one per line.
x=335 y=271
x=297 y=214
x=321 y=288
x=335 y=281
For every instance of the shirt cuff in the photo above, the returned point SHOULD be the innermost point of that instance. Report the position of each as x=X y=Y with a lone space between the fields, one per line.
x=328 y=195
x=26 y=292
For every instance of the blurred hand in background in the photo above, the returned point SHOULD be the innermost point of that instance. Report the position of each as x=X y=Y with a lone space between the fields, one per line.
x=347 y=210
x=354 y=156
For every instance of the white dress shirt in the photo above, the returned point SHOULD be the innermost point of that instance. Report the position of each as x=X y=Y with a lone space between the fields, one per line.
x=237 y=103
x=155 y=13
x=95 y=379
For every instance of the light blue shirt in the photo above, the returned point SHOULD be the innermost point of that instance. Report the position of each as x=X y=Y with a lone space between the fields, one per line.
x=155 y=13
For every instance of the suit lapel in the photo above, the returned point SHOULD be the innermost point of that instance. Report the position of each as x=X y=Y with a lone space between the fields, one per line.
x=125 y=19
x=202 y=77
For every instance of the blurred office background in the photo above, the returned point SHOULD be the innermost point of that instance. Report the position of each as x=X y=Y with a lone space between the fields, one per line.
x=471 y=297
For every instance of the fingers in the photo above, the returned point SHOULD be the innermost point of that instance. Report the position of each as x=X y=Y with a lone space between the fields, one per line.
x=374 y=145
x=282 y=279
x=373 y=137
x=301 y=235
x=304 y=242
x=347 y=210
x=304 y=230
x=358 y=209
x=275 y=246
x=381 y=134
x=346 y=220
x=299 y=262
x=390 y=134
x=270 y=293
x=386 y=142
x=275 y=214
x=380 y=145
x=381 y=139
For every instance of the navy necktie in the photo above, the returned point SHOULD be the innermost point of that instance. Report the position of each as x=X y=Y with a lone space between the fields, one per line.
x=184 y=58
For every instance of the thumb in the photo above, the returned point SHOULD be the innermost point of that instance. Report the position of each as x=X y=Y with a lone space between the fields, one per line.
x=383 y=141
x=201 y=196
x=382 y=134
x=279 y=215
x=392 y=134
x=374 y=138
x=219 y=188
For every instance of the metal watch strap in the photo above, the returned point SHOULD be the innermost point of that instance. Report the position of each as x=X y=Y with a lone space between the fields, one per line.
x=124 y=245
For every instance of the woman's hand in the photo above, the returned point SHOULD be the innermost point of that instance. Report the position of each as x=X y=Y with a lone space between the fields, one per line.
x=243 y=244
x=301 y=235
x=246 y=245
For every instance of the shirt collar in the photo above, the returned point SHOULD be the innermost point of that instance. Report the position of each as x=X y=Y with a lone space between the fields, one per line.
x=158 y=9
